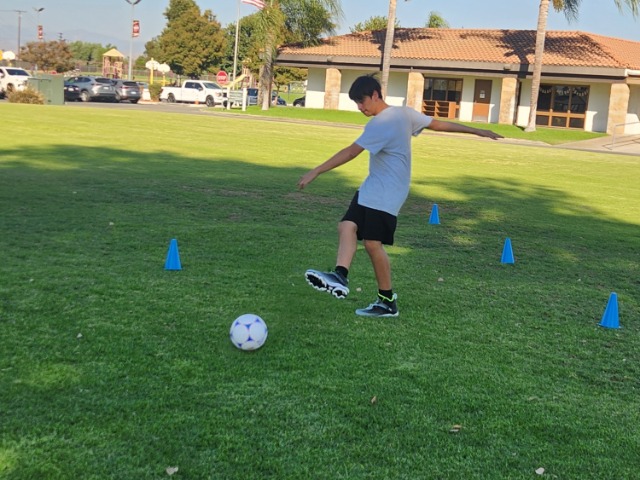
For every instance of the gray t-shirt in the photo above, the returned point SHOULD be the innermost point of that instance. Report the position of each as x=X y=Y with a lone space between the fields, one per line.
x=387 y=137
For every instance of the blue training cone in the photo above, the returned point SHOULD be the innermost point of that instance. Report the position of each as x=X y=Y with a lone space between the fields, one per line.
x=610 y=318
x=434 y=218
x=507 y=252
x=173 y=257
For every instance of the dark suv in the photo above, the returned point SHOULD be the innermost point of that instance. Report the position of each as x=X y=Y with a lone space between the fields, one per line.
x=127 y=90
x=252 y=98
x=94 y=88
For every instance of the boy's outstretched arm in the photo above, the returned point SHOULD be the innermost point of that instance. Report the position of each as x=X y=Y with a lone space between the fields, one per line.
x=441 y=126
x=343 y=156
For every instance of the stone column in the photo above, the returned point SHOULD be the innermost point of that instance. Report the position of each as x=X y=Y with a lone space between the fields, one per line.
x=415 y=90
x=507 y=100
x=618 y=107
x=333 y=80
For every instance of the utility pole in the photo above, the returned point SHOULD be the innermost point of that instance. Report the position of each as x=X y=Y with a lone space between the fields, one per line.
x=19 y=12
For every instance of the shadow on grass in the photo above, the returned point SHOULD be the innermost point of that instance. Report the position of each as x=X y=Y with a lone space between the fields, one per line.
x=111 y=357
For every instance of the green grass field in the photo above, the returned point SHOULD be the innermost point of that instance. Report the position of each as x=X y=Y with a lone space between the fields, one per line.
x=113 y=368
x=550 y=136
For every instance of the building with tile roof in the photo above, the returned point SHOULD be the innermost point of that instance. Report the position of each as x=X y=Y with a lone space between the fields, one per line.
x=589 y=81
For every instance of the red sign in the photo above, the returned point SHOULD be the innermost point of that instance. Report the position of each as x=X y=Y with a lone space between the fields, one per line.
x=222 y=78
x=135 y=32
x=40 y=32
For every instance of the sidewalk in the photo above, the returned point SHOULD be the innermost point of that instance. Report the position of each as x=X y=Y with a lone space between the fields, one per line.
x=623 y=145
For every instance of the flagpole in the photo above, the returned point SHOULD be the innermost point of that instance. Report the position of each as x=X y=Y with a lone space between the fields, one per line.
x=235 y=50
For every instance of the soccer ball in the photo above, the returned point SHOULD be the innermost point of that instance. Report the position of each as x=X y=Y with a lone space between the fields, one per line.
x=248 y=332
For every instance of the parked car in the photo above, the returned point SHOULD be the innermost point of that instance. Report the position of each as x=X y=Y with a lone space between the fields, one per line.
x=94 y=88
x=127 y=90
x=13 y=79
x=195 y=91
x=252 y=98
x=278 y=100
x=71 y=92
x=299 y=102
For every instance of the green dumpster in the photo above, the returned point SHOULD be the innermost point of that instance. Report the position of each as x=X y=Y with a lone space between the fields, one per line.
x=50 y=86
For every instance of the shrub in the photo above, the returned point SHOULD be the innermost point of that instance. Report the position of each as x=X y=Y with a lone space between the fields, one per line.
x=154 y=91
x=28 y=95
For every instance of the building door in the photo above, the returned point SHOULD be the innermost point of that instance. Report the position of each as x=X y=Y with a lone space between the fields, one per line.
x=481 y=101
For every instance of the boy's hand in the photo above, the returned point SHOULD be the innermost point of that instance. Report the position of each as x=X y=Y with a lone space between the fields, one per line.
x=489 y=134
x=306 y=179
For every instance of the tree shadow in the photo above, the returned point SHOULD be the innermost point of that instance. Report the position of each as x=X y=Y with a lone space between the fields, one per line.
x=246 y=235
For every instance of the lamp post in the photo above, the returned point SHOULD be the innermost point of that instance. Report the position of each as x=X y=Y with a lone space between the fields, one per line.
x=38 y=10
x=133 y=3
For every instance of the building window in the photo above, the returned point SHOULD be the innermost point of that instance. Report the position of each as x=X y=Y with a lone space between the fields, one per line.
x=563 y=106
x=441 y=97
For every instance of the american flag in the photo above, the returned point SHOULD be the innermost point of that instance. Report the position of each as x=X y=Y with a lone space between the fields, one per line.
x=259 y=4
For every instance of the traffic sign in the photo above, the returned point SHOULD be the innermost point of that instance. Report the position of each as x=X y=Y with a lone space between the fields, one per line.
x=222 y=78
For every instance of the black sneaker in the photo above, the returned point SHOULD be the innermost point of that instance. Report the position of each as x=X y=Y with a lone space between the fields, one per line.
x=380 y=308
x=331 y=282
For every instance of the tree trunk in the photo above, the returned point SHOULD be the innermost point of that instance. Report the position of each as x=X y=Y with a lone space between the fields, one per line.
x=266 y=76
x=541 y=31
x=388 y=46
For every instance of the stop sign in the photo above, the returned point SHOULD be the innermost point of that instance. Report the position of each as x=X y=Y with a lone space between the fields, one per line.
x=222 y=78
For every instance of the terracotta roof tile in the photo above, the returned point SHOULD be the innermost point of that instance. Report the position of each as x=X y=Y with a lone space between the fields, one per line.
x=562 y=48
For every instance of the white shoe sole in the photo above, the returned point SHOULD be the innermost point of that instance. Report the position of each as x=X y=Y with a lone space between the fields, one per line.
x=317 y=281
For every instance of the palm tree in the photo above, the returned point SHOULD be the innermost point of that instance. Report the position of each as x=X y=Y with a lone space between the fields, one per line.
x=388 y=45
x=570 y=9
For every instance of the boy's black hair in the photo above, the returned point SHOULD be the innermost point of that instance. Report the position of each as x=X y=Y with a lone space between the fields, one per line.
x=364 y=86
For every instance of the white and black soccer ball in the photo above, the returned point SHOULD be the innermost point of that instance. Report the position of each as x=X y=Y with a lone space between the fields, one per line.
x=248 y=332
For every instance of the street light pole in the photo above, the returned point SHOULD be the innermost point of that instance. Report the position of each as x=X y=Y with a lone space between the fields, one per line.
x=133 y=3
x=38 y=10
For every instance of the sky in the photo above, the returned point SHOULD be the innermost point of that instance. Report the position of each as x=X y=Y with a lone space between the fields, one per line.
x=109 y=21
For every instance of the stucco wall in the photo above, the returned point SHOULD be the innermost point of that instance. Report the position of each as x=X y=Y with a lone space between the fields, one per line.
x=466 y=101
x=316 y=83
x=315 y=88
x=596 y=115
x=633 y=116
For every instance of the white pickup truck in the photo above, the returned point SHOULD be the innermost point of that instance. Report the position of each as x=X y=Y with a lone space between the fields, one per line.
x=12 y=78
x=195 y=91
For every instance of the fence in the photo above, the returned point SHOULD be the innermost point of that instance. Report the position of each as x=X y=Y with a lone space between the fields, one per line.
x=615 y=128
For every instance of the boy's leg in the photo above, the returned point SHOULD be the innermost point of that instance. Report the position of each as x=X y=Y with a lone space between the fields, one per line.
x=383 y=306
x=348 y=243
x=380 y=262
x=336 y=282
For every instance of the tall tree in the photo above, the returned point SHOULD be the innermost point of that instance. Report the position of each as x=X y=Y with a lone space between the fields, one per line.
x=88 y=52
x=192 y=42
x=294 y=20
x=48 y=56
x=248 y=45
x=372 y=23
x=436 y=20
x=570 y=9
x=388 y=46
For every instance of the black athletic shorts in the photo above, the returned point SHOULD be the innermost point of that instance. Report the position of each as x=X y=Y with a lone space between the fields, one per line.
x=372 y=224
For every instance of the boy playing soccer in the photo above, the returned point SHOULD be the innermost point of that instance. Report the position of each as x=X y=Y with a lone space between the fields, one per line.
x=372 y=214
